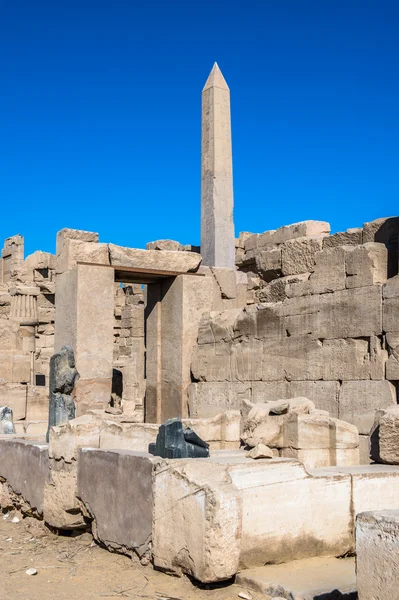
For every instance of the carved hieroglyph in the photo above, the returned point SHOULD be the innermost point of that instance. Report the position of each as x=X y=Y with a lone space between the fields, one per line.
x=217 y=227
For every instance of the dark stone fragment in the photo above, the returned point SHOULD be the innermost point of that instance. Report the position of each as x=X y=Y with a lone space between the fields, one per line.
x=175 y=442
x=63 y=376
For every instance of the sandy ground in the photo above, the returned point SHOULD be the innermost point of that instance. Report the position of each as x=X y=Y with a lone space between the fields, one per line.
x=76 y=567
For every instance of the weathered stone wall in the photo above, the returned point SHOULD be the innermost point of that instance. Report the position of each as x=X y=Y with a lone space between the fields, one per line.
x=129 y=349
x=320 y=322
x=27 y=309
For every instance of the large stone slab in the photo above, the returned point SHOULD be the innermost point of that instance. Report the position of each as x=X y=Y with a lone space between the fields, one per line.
x=115 y=489
x=366 y=265
x=24 y=467
x=377 y=555
x=166 y=260
x=230 y=500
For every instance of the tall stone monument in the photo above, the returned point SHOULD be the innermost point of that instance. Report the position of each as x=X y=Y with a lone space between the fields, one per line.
x=217 y=226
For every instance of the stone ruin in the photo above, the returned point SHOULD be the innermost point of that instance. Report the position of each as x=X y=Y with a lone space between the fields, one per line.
x=280 y=346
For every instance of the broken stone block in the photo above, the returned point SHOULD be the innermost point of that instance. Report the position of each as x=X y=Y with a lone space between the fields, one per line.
x=384 y=436
x=168 y=260
x=377 y=555
x=358 y=398
x=366 y=265
x=298 y=256
x=296 y=230
x=226 y=280
x=75 y=234
x=164 y=245
x=128 y=492
x=317 y=431
x=268 y=263
x=281 y=288
x=40 y=260
x=24 y=466
x=175 y=442
x=350 y=237
x=228 y=530
x=260 y=451
x=385 y=231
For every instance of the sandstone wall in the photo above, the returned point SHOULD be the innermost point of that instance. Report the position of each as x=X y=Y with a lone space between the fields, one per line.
x=27 y=308
x=320 y=322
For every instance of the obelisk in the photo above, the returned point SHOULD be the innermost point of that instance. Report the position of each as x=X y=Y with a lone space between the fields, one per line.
x=217 y=226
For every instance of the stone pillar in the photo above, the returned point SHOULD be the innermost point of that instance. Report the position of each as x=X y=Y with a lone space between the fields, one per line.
x=84 y=319
x=217 y=226
x=174 y=310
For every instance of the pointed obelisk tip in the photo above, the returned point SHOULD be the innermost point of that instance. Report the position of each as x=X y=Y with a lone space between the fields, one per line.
x=215 y=79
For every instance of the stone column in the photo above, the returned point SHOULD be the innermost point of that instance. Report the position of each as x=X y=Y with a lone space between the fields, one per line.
x=84 y=320
x=217 y=226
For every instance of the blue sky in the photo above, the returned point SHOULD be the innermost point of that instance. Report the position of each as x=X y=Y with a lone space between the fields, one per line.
x=100 y=114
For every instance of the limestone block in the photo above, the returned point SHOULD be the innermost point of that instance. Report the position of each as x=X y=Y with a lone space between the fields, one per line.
x=24 y=465
x=374 y=487
x=226 y=280
x=357 y=398
x=346 y=359
x=296 y=230
x=208 y=399
x=324 y=394
x=20 y=368
x=284 y=287
x=316 y=458
x=221 y=431
x=342 y=314
x=377 y=555
x=73 y=250
x=391 y=305
x=383 y=230
x=316 y=431
x=384 y=437
x=329 y=271
x=127 y=436
x=350 y=237
x=292 y=358
x=164 y=245
x=36 y=429
x=268 y=263
x=212 y=362
x=75 y=234
x=251 y=242
x=128 y=527
x=40 y=260
x=65 y=440
x=366 y=265
x=209 y=548
x=168 y=260
x=298 y=256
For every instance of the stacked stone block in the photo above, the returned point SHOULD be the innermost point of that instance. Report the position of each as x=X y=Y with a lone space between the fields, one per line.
x=320 y=322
